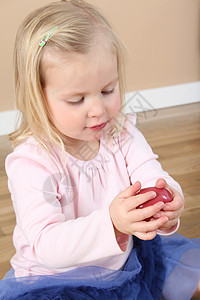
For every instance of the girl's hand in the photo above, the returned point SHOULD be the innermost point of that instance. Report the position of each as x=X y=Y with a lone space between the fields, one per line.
x=172 y=210
x=129 y=220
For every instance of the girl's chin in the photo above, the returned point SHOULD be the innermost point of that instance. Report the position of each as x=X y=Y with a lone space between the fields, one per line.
x=85 y=137
x=97 y=136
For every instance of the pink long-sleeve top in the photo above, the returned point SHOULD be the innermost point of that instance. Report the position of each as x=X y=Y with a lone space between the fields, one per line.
x=62 y=206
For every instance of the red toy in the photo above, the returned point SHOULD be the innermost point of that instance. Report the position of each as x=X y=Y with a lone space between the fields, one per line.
x=163 y=195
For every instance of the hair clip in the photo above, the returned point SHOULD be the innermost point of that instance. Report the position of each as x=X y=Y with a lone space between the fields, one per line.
x=45 y=38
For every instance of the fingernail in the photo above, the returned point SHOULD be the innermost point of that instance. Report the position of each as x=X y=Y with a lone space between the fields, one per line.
x=153 y=194
x=161 y=205
x=165 y=219
x=167 y=207
x=157 y=215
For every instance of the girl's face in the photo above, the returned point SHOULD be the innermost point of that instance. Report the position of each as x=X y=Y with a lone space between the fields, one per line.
x=82 y=91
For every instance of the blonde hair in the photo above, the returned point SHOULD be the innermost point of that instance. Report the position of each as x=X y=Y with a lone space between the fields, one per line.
x=75 y=25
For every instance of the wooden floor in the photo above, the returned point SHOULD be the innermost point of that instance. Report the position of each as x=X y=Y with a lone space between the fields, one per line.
x=173 y=133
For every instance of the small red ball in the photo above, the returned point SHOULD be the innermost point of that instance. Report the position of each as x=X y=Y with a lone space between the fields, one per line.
x=162 y=195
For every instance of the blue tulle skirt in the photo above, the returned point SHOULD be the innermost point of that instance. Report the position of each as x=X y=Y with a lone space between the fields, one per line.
x=167 y=267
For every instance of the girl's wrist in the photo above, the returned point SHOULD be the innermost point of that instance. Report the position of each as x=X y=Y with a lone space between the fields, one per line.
x=171 y=230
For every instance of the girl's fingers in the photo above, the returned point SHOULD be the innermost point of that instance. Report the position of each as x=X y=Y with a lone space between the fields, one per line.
x=146 y=236
x=148 y=226
x=170 y=214
x=137 y=215
x=161 y=183
x=135 y=188
x=178 y=201
x=130 y=191
x=133 y=202
x=176 y=205
x=169 y=224
x=151 y=229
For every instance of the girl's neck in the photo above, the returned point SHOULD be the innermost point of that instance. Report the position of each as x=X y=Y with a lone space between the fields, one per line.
x=83 y=150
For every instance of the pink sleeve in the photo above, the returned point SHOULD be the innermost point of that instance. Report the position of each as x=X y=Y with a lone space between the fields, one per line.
x=142 y=164
x=55 y=241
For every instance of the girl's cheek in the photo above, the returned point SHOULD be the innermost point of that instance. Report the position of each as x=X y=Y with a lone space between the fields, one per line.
x=117 y=104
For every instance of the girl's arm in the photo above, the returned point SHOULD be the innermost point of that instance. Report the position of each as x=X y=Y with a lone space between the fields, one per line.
x=143 y=166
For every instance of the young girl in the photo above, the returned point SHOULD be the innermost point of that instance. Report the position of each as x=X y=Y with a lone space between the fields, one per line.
x=77 y=167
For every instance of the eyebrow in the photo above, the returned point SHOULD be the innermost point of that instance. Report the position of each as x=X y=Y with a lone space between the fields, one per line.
x=81 y=93
x=114 y=80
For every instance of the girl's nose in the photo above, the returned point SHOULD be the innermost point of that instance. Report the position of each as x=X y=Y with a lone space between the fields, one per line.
x=96 y=107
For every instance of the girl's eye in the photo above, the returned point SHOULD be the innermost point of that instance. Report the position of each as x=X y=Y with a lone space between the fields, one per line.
x=75 y=103
x=105 y=93
x=108 y=92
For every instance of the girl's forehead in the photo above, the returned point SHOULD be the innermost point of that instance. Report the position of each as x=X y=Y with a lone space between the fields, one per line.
x=101 y=48
x=96 y=60
x=75 y=70
x=53 y=57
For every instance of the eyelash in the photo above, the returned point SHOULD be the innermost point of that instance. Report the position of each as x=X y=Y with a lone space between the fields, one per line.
x=105 y=93
x=75 y=103
x=108 y=92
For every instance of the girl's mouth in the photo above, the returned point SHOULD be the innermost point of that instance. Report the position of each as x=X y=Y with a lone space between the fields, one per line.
x=98 y=127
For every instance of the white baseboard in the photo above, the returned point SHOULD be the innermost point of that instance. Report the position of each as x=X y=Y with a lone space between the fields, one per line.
x=163 y=97
x=137 y=101
x=8 y=121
